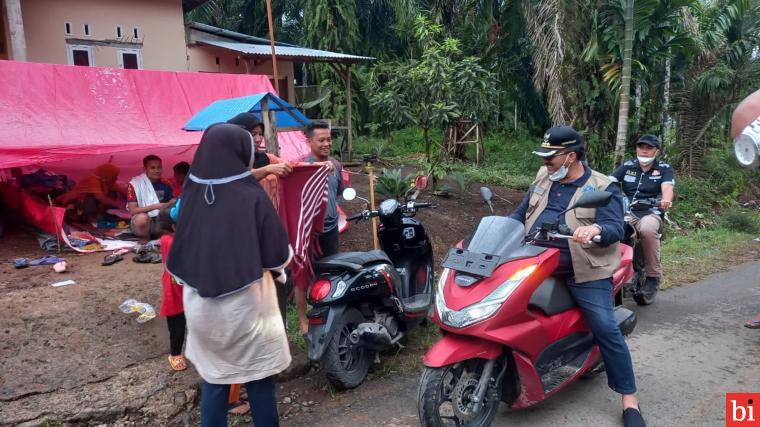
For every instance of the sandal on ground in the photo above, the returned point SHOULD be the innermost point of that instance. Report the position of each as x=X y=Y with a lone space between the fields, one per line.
x=178 y=362
x=60 y=267
x=632 y=418
x=754 y=323
x=148 y=258
x=21 y=263
x=111 y=259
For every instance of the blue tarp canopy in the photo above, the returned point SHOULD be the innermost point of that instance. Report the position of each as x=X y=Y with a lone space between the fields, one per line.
x=286 y=116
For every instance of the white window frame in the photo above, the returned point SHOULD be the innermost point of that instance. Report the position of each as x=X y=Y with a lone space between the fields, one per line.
x=70 y=26
x=70 y=48
x=136 y=30
x=86 y=28
x=120 y=56
x=117 y=30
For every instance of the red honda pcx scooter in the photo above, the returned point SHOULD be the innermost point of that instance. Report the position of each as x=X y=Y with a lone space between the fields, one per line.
x=511 y=332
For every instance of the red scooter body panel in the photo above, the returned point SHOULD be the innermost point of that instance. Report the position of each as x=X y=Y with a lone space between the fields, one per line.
x=522 y=329
x=456 y=348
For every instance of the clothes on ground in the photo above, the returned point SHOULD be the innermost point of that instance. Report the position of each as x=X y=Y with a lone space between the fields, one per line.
x=171 y=297
x=639 y=185
x=607 y=217
x=334 y=189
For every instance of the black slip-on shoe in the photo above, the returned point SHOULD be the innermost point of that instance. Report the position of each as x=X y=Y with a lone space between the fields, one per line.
x=632 y=418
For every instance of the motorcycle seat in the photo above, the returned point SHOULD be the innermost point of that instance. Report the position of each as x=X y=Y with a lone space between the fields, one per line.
x=552 y=297
x=352 y=261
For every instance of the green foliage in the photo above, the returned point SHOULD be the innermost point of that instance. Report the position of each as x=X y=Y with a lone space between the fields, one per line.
x=741 y=221
x=391 y=184
x=50 y=422
x=459 y=181
x=442 y=84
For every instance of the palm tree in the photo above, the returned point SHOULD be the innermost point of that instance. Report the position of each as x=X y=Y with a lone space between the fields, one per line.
x=625 y=87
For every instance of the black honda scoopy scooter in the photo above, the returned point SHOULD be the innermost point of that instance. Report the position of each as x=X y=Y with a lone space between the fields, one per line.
x=365 y=302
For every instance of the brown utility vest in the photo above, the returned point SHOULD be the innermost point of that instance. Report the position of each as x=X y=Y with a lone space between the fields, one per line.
x=590 y=261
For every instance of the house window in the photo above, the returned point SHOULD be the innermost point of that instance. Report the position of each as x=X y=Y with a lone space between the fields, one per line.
x=67 y=28
x=129 y=59
x=217 y=60
x=136 y=32
x=118 y=32
x=237 y=62
x=80 y=55
x=86 y=29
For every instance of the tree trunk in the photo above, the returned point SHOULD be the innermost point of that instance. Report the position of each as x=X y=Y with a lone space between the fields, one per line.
x=667 y=121
x=16 y=30
x=625 y=87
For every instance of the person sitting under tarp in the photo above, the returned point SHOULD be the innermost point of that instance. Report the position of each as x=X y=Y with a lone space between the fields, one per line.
x=181 y=170
x=147 y=195
x=93 y=195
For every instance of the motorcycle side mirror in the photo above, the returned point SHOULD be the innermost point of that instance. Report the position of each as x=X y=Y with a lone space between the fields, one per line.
x=593 y=199
x=349 y=194
x=487 y=195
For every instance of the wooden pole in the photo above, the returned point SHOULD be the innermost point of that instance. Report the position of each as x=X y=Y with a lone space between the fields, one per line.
x=16 y=30
x=371 y=172
x=271 y=42
x=270 y=127
x=349 y=120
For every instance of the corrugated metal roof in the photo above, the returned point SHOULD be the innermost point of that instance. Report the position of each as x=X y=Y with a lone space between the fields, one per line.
x=281 y=51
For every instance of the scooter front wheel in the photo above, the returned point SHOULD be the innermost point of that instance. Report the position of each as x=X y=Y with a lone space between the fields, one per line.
x=445 y=397
x=345 y=364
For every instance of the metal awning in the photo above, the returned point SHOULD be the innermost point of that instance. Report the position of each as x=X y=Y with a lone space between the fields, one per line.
x=292 y=53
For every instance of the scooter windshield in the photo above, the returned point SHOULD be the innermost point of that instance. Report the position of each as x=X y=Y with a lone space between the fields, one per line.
x=497 y=235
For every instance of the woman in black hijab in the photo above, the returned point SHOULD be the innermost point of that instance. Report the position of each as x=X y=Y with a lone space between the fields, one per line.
x=228 y=238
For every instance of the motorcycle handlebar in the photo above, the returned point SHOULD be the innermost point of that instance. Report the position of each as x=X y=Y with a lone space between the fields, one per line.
x=595 y=239
x=423 y=205
x=355 y=217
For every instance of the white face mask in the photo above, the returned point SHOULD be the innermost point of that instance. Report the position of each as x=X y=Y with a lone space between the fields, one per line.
x=561 y=173
x=645 y=160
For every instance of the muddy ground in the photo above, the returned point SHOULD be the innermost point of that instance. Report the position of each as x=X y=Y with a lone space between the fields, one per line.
x=68 y=354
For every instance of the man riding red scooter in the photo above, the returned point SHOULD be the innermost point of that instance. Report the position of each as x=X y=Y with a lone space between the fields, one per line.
x=522 y=320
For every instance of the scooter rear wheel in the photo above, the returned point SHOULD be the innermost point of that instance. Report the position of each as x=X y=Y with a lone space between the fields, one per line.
x=444 y=397
x=346 y=365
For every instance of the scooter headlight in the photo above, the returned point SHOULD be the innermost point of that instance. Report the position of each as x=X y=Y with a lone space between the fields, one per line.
x=484 y=309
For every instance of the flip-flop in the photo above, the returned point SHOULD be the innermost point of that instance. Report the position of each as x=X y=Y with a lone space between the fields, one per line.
x=59 y=267
x=21 y=263
x=122 y=251
x=46 y=260
x=178 y=363
x=111 y=259
x=148 y=258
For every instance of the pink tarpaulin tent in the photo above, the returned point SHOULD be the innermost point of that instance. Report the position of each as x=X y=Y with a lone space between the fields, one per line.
x=54 y=113
x=68 y=120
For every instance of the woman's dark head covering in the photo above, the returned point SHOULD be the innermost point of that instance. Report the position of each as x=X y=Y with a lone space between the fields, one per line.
x=228 y=232
x=249 y=121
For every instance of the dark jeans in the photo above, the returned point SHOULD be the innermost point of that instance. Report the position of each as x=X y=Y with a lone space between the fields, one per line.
x=260 y=396
x=176 y=326
x=595 y=301
x=329 y=242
